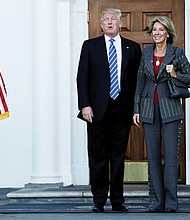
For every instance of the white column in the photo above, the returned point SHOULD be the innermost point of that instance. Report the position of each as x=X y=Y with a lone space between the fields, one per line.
x=45 y=167
x=187 y=109
x=64 y=90
x=72 y=30
x=79 y=26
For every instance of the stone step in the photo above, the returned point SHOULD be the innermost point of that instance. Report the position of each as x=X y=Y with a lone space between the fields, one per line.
x=130 y=191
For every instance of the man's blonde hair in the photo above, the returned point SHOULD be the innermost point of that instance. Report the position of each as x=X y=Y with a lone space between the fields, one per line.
x=116 y=11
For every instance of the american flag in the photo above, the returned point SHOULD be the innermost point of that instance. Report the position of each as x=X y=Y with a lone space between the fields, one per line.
x=4 y=111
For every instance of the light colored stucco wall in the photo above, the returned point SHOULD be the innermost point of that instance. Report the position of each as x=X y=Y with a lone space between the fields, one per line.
x=16 y=65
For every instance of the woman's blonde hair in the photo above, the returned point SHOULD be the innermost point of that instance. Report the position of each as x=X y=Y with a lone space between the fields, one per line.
x=168 y=24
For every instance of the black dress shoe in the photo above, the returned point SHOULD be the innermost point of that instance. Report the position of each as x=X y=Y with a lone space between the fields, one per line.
x=170 y=210
x=119 y=208
x=98 y=209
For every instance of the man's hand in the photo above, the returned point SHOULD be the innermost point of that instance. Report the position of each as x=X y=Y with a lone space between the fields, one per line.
x=87 y=114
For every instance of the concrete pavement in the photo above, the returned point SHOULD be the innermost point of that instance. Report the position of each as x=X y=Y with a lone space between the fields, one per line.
x=92 y=216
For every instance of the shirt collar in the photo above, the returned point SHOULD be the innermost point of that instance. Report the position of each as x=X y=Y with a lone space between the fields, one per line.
x=116 y=38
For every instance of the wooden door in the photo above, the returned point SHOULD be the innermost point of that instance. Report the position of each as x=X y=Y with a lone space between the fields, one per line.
x=135 y=19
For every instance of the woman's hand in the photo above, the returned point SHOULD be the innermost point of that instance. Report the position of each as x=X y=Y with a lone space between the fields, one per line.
x=170 y=70
x=136 y=120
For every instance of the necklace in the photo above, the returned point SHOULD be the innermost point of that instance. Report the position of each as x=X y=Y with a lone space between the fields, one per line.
x=161 y=54
x=157 y=61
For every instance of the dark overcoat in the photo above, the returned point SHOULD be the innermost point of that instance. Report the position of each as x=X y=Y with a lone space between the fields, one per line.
x=93 y=77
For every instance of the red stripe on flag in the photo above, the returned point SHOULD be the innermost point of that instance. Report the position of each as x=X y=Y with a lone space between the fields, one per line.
x=3 y=101
x=3 y=83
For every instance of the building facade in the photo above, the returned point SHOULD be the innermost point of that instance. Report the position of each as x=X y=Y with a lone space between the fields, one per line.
x=43 y=142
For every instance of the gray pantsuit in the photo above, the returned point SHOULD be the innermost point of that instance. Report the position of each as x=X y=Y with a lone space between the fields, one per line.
x=162 y=182
x=161 y=123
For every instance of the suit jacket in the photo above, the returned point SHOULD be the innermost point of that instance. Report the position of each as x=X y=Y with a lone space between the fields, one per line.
x=147 y=82
x=93 y=78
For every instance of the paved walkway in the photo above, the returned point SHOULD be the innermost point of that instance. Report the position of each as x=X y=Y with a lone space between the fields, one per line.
x=92 y=216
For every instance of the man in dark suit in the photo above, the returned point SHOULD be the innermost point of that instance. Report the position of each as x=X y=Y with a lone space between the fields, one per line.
x=108 y=117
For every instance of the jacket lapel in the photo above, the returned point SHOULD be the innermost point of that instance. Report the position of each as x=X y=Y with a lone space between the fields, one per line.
x=149 y=57
x=169 y=56
x=101 y=49
x=125 y=48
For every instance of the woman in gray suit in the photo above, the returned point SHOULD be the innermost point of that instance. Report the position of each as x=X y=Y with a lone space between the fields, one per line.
x=160 y=114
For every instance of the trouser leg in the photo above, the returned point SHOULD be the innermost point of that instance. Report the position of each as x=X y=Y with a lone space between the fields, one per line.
x=171 y=139
x=98 y=163
x=152 y=134
x=117 y=156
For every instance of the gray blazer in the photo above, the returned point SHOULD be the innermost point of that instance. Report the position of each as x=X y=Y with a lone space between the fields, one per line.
x=147 y=82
